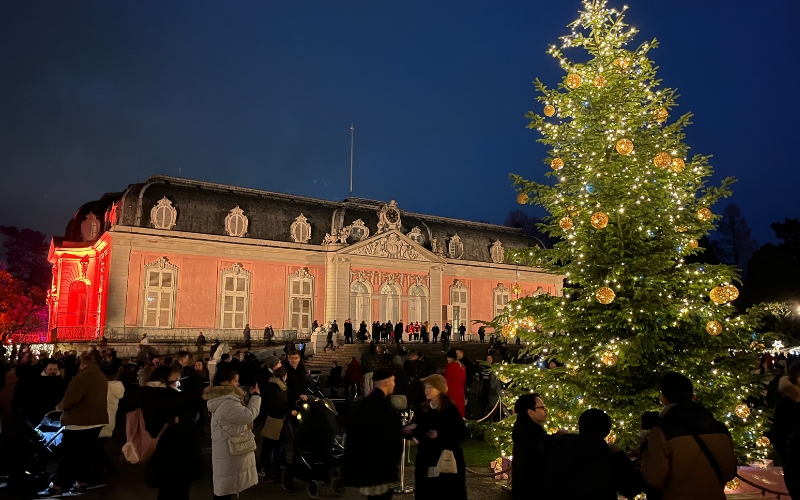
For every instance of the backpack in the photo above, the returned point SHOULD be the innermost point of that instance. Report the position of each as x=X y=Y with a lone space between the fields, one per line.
x=140 y=445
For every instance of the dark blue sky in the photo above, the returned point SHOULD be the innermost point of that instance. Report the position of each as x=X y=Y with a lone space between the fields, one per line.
x=262 y=94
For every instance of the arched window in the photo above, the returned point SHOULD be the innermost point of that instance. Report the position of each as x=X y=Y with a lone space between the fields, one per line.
x=160 y=285
x=360 y=303
x=301 y=300
x=163 y=215
x=235 y=297
x=78 y=304
x=417 y=304
x=236 y=222
x=390 y=303
x=459 y=301
x=455 y=247
x=501 y=296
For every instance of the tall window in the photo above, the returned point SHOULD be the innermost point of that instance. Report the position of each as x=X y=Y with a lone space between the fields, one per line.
x=417 y=304
x=301 y=300
x=78 y=304
x=459 y=300
x=160 y=284
x=235 y=297
x=360 y=300
x=501 y=296
x=390 y=303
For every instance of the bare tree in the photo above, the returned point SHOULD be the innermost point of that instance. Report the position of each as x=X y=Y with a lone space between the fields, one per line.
x=733 y=244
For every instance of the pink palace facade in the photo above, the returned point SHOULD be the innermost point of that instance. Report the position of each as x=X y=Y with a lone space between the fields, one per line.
x=171 y=257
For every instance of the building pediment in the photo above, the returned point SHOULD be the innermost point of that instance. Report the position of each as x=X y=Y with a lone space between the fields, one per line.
x=392 y=244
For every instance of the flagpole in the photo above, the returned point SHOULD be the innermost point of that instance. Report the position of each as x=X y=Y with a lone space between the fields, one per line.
x=352 y=135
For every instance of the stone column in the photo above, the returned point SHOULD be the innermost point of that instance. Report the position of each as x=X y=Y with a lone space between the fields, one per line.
x=117 y=285
x=435 y=313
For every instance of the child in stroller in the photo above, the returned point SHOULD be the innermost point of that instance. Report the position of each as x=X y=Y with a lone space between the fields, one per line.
x=317 y=441
x=26 y=469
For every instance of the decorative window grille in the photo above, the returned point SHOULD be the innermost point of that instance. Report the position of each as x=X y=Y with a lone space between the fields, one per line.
x=360 y=303
x=160 y=288
x=501 y=297
x=455 y=248
x=301 y=300
x=163 y=215
x=300 y=230
x=234 y=297
x=236 y=223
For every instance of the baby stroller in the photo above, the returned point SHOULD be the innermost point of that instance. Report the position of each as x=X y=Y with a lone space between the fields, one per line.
x=26 y=469
x=318 y=447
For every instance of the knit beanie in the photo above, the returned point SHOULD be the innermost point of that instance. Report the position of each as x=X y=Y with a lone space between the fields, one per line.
x=437 y=381
x=271 y=362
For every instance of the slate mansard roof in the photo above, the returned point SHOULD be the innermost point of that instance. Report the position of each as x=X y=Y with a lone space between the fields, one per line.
x=202 y=207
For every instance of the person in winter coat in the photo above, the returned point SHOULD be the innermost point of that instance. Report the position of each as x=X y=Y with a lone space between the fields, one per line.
x=787 y=413
x=374 y=441
x=246 y=336
x=532 y=447
x=353 y=376
x=437 y=427
x=115 y=392
x=791 y=466
x=231 y=417
x=456 y=376
x=672 y=462
x=83 y=414
x=177 y=460
x=335 y=379
x=369 y=363
x=276 y=406
x=585 y=466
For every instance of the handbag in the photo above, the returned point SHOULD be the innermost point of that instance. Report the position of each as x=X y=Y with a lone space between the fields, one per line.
x=272 y=428
x=242 y=444
x=446 y=464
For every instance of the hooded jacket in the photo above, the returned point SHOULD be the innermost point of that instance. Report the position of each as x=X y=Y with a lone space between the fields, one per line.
x=115 y=392
x=674 y=463
x=231 y=417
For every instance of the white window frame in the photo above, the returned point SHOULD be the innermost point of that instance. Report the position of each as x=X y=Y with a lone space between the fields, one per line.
x=236 y=223
x=163 y=215
x=361 y=302
x=300 y=230
x=236 y=273
x=459 y=301
x=417 y=304
x=301 y=277
x=500 y=296
x=390 y=303
x=163 y=267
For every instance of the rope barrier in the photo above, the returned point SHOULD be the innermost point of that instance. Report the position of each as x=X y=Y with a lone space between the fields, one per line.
x=499 y=402
x=490 y=474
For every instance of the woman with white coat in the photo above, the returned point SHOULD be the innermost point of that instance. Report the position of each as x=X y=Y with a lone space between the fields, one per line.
x=231 y=417
x=115 y=392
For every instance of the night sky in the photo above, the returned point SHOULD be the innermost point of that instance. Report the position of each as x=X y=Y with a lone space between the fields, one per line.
x=94 y=95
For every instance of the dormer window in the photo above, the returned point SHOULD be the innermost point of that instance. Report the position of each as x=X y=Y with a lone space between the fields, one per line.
x=300 y=230
x=236 y=223
x=90 y=227
x=455 y=248
x=163 y=215
x=416 y=236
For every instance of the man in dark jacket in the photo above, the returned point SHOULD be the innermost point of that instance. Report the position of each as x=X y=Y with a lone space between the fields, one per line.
x=532 y=448
x=348 y=331
x=84 y=413
x=296 y=379
x=398 y=332
x=246 y=336
x=374 y=441
x=672 y=462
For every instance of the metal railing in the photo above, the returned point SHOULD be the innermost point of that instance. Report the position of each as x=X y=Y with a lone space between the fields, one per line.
x=184 y=335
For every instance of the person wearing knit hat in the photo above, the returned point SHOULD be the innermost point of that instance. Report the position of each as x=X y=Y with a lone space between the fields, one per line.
x=438 y=428
x=272 y=362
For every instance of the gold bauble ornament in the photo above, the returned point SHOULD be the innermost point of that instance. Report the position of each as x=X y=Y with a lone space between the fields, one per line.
x=552 y=430
x=516 y=288
x=622 y=63
x=508 y=330
x=742 y=411
x=625 y=147
x=611 y=438
x=704 y=214
x=714 y=328
x=599 y=220
x=549 y=110
x=732 y=293
x=662 y=159
x=677 y=165
x=718 y=295
x=763 y=442
x=693 y=243
x=574 y=81
x=660 y=115
x=599 y=81
x=733 y=484
x=504 y=379
x=756 y=346
x=562 y=414
x=609 y=358
x=557 y=164
x=605 y=295
x=681 y=229
x=528 y=322
x=565 y=223
x=573 y=212
x=522 y=198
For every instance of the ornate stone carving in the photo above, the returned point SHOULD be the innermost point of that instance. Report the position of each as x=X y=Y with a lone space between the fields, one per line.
x=377 y=278
x=90 y=227
x=501 y=288
x=458 y=284
x=236 y=223
x=84 y=266
x=163 y=215
x=328 y=240
x=236 y=269
x=389 y=217
x=391 y=246
x=358 y=231
x=344 y=233
x=300 y=230
x=437 y=246
x=540 y=291
x=162 y=263
x=416 y=236
x=302 y=273
x=497 y=252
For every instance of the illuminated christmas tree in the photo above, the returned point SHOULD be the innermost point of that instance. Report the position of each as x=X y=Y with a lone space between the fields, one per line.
x=628 y=205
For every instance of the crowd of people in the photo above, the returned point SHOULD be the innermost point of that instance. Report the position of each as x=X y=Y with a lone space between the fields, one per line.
x=684 y=453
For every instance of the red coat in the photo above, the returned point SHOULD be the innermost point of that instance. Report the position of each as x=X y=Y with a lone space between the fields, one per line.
x=456 y=376
x=353 y=373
